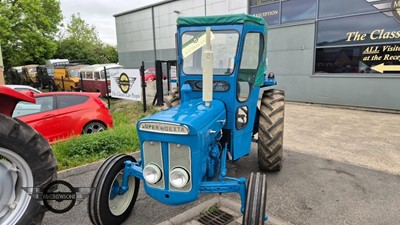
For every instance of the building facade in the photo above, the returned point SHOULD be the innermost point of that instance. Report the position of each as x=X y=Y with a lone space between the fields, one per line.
x=322 y=51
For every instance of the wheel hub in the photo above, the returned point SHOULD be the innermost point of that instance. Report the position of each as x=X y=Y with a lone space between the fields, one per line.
x=8 y=177
x=15 y=173
x=119 y=203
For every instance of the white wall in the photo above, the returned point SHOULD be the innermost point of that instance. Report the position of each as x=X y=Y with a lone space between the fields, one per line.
x=219 y=7
x=135 y=31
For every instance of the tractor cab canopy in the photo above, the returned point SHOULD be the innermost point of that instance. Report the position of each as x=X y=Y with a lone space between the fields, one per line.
x=219 y=20
x=227 y=33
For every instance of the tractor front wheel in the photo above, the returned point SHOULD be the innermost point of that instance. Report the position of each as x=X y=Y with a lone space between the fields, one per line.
x=270 y=130
x=256 y=200
x=106 y=205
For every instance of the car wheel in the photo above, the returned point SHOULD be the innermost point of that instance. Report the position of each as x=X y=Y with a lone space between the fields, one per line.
x=93 y=127
x=26 y=160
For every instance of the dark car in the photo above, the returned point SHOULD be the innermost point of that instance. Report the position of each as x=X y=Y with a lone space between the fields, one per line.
x=45 y=80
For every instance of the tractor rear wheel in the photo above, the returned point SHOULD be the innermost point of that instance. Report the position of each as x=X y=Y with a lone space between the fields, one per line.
x=26 y=161
x=106 y=205
x=256 y=200
x=270 y=130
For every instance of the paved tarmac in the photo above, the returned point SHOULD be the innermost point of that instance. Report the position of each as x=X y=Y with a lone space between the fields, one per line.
x=341 y=166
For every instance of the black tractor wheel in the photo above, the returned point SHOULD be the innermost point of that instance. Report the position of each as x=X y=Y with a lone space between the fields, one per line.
x=26 y=160
x=270 y=130
x=105 y=205
x=256 y=200
x=172 y=99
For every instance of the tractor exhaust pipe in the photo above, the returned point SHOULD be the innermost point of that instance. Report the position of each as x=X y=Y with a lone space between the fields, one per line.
x=208 y=70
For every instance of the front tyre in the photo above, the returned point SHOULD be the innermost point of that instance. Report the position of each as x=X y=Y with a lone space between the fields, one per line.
x=26 y=161
x=270 y=130
x=106 y=206
x=256 y=200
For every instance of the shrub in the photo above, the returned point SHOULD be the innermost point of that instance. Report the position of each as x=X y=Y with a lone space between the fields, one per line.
x=122 y=138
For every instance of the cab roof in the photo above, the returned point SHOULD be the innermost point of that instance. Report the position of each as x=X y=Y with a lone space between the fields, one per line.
x=220 y=20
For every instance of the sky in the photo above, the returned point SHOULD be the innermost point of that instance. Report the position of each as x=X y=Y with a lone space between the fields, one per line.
x=100 y=14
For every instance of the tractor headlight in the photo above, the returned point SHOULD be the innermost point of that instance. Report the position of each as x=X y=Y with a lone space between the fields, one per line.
x=152 y=173
x=179 y=177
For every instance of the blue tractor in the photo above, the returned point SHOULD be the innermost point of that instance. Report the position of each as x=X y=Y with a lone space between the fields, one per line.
x=185 y=149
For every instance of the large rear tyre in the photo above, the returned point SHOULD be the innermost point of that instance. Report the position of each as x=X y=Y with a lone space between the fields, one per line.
x=105 y=205
x=256 y=201
x=26 y=160
x=270 y=130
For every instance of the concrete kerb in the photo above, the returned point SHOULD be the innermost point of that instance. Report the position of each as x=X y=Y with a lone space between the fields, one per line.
x=86 y=168
x=225 y=204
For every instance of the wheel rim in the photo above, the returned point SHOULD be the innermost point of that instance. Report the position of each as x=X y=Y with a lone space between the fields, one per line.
x=94 y=128
x=12 y=213
x=119 y=203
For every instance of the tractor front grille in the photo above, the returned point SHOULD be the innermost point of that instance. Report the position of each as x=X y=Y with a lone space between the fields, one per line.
x=180 y=156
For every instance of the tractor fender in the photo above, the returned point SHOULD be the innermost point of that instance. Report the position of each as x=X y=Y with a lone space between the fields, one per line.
x=9 y=99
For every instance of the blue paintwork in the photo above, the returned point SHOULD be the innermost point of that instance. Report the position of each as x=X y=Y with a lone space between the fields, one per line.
x=240 y=139
x=200 y=120
x=268 y=82
x=206 y=125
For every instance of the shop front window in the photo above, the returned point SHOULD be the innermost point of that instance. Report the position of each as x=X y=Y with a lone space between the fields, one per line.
x=270 y=13
x=329 y=8
x=358 y=59
x=354 y=30
x=298 y=10
x=361 y=44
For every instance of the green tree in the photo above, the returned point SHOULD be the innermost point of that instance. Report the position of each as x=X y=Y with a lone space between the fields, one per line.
x=81 y=42
x=27 y=30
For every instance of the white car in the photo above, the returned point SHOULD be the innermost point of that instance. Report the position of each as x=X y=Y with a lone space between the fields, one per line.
x=23 y=88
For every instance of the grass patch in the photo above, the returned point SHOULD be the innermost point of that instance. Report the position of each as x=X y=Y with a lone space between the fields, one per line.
x=122 y=138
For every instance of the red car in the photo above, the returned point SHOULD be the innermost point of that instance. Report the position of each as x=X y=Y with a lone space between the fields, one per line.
x=150 y=74
x=61 y=115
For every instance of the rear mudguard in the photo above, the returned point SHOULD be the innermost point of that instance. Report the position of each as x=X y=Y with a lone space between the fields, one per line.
x=9 y=99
